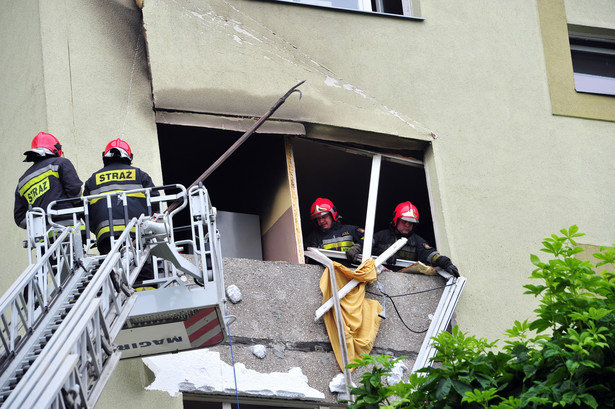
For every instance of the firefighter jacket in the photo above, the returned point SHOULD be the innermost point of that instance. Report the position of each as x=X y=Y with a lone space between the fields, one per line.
x=113 y=178
x=49 y=179
x=339 y=237
x=415 y=249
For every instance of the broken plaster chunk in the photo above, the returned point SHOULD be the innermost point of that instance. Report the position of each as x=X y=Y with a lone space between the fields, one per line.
x=205 y=371
x=260 y=351
x=338 y=383
x=397 y=372
x=233 y=293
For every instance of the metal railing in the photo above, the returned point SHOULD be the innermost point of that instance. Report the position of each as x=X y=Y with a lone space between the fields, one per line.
x=58 y=321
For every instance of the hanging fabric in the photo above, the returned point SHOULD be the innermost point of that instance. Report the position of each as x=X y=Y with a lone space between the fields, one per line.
x=360 y=314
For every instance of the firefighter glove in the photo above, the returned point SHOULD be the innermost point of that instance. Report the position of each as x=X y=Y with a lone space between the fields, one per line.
x=353 y=254
x=392 y=260
x=446 y=264
x=452 y=270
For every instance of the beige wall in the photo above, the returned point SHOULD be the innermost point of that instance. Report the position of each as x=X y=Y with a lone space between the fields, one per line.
x=592 y=13
x=69 y=71
x=69 y=68
x=22 y=115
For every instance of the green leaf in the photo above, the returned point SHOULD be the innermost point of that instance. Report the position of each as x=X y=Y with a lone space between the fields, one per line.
x=535 y=260
x=460 y=387
x=589 y=400
x=443 y=389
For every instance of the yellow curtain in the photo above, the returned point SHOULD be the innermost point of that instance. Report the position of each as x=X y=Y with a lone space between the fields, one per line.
x=360 y=315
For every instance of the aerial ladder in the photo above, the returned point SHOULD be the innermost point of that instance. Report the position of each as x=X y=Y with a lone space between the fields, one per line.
x=73 y=313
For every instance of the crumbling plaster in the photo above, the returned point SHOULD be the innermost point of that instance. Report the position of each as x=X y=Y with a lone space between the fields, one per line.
x=277 y=306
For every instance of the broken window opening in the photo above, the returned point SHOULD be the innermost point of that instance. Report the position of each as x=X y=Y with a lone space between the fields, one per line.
x=253 y=190
x=242 y=188
x=342 y=174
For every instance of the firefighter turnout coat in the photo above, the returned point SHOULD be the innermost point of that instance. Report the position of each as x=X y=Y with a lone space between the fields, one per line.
x=49 y=179
x=415 y=249
x=113 y=178
x=339 y=237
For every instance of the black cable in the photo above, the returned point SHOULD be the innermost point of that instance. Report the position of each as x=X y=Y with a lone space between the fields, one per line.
x=390 y=297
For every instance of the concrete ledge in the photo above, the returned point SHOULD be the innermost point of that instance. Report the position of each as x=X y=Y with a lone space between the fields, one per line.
x=277 y=310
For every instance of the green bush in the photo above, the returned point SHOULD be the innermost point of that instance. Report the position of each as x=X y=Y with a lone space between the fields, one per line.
x=565 y=357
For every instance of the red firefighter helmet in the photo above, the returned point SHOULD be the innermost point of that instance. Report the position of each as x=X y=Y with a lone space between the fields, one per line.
x=406 y=211
x=120 y=146
x=45 y=144
x=322 y=205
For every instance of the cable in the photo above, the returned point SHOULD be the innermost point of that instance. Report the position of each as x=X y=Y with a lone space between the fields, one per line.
x=132 y=75
x=228 y=330
x=390 y=297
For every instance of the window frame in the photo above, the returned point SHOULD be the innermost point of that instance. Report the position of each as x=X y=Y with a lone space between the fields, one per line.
x=565 y=100
x=410 y=8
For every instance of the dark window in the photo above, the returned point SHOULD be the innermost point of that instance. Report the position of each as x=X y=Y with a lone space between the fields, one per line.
x=593 y=61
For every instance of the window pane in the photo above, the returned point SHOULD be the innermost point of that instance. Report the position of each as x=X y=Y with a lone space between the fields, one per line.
x=593 y=63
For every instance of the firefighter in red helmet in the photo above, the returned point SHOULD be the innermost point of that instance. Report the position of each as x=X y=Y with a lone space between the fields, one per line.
x=117 y=174
x=330 y=233
x=405 y=216
x=51 y=177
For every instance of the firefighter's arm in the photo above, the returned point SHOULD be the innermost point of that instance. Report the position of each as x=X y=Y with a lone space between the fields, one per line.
x=70 y=180
x=146 y=181
x=19 y=211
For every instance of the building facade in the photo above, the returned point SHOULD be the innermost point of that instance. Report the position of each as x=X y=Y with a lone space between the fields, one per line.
x=496 y=119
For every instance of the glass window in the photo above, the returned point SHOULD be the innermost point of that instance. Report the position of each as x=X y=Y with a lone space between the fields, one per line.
x=593 y=61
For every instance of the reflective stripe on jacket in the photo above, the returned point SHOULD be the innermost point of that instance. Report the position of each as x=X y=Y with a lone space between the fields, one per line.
x=339 y=237
x=116 y=177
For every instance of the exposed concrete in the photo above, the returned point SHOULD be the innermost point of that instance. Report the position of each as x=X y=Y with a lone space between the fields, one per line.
x=277 y=311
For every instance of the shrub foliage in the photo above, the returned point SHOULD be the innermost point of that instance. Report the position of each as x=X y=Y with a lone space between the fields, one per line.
x=565 y=357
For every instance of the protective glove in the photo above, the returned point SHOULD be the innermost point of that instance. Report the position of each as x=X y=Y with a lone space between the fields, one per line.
x=446 y=264
x=392 y=260
x=353 y=254
x=452 y=270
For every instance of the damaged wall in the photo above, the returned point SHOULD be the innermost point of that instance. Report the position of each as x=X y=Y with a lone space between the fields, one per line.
x=277 y=306
x=226 y=60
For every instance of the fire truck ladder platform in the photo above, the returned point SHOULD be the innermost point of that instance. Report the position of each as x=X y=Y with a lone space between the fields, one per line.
x=72 y=314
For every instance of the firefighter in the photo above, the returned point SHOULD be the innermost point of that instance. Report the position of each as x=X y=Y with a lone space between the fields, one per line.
x=51 y=177
x=330 y=233
x=405 y=216
x=117 y=174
